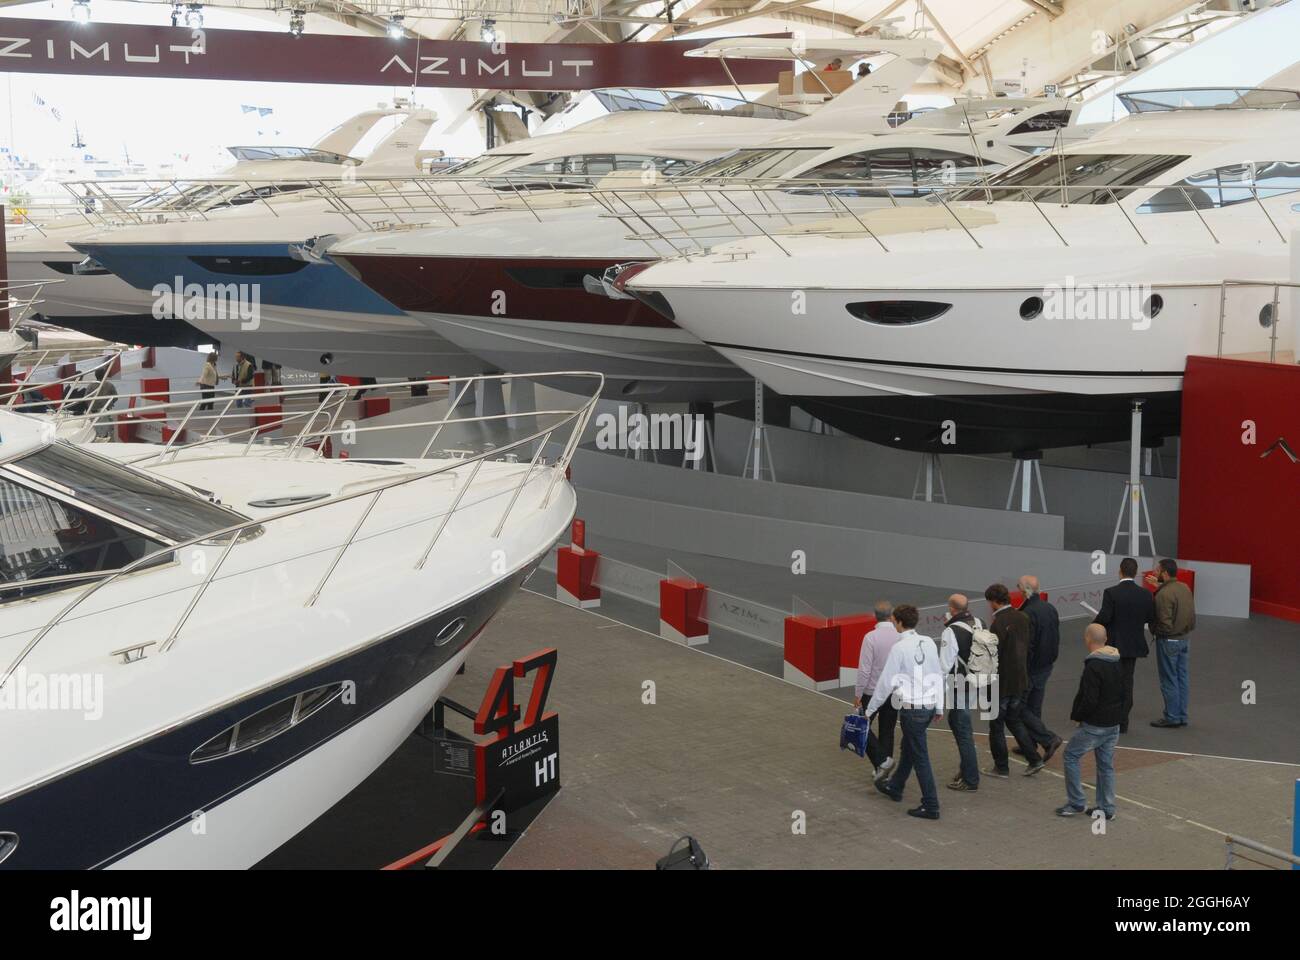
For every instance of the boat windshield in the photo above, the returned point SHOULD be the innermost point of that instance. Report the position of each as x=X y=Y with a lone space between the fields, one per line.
x=751 y=164
x=1209 y=98
x=42 y=538
x=484 y=164
x=1079 y=177
x=132 y=497
x=620 y=99
x=306 y=154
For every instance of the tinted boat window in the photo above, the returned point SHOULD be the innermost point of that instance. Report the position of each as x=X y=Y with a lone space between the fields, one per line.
x=1045 y=178
x=1226 y=186
x=135 y=497
x=42 y=537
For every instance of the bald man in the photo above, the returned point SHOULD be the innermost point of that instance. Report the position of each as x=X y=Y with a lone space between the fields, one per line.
x=1101 y=704
x=1044 y=641
x=958 y=630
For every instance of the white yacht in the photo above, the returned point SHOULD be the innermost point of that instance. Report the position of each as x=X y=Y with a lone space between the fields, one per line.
x=313 y=315
x=237 y=634
x=512 y=286
x=1029 y=312
x=93 y=301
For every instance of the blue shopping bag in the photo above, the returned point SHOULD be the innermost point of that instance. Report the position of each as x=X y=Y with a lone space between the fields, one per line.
x=854 y=734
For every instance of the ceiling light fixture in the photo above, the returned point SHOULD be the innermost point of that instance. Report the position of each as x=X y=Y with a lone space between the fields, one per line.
x=394 y=28
x=81 y=11
x=297 y=22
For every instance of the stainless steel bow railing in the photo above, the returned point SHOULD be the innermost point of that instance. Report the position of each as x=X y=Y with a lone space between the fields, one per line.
x=230 y=537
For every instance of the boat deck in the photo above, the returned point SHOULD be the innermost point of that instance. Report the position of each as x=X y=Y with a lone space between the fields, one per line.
x=731 y=754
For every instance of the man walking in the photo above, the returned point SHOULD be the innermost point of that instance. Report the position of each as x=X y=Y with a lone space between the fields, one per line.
x=871 y=664
x=914 y=678
x=1012 y=629
x=958 y=630
x=1175 y=618
x=1044 y=641
x=1126 y=609
x=1100 y=704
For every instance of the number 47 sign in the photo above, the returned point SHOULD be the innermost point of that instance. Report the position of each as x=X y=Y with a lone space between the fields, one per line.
x=523 y=759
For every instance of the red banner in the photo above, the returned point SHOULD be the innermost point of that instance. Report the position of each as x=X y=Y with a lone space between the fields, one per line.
x=122 y=50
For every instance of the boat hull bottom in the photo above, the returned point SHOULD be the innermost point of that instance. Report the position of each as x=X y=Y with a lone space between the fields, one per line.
x=995 y=423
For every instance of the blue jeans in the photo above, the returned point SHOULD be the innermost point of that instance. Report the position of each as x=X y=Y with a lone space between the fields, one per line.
x=1171 y=661
x=959 y=723
x=1101 y=741
x=915 y=753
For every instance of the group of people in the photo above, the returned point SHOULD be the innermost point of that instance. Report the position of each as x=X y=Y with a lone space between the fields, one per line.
x=242 y=375
x=1001 y=670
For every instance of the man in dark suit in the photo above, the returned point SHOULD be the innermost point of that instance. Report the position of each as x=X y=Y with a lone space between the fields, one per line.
x=1013 y=631
x=1044 y=641
x=1127 y=609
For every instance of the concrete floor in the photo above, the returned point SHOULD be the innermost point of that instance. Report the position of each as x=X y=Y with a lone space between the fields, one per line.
x=735 y=757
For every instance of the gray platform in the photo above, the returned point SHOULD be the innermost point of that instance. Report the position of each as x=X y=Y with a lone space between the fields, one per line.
x=730 y=754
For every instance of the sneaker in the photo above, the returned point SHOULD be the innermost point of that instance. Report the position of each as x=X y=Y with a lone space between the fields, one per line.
x=923 y=814
x=1052 y=748
x=962 y=786
x=882 y=771
x=956 y=780
x=1162 y=722
x=1069 y=811
x=1034 y=767
x=997 y=772
x=896 y=797
x=1092 y=811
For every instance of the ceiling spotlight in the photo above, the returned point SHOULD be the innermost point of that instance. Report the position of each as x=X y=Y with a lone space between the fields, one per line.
x=394 y=27
x=194 y=16
x=488 y=32
x=81 y=11
x=297 y=21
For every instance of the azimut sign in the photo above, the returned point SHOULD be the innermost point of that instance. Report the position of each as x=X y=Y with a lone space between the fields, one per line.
x=122 y=50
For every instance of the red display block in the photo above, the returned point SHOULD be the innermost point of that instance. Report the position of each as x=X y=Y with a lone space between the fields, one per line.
x=269 y=418
x=155 y=391
x=812 y=652
x=1186 y=576
x=681 y=611
x=375 y=406
x=853 y=630
x=1018 y=598
x=578 y=533
x=575 y=577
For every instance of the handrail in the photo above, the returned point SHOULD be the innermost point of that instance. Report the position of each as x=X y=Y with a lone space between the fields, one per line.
x=1230 y=841
x=578 y=418
x=1275 y=317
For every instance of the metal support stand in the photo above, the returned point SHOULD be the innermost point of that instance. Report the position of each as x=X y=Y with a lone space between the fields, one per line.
x=523 y=399
x=758 y=451
x=1028 y=467
x=489 y=400
x=932 y=468
x=700 y=438
x=639 y=440
x=1134 y=495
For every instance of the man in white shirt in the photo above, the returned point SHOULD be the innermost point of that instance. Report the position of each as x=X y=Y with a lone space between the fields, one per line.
x=914 y=679
x=871 y=664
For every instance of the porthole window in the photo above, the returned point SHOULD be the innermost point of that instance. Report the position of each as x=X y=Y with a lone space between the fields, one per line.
x=1266 y=316
x=1151 y=309
x=1031 y=308
x=8 y=844
x=449 y=632
x=266 y=723
x=897 y=312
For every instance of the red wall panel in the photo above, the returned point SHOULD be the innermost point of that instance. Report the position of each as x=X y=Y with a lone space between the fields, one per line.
x=1239 y=502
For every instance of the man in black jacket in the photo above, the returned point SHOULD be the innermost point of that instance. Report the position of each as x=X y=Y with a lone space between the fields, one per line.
x=1099 y=706
x=1044 y=641
x=1012 y=629
x=1127 y=609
